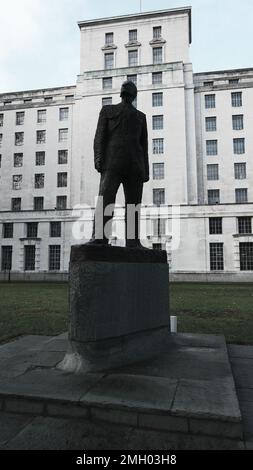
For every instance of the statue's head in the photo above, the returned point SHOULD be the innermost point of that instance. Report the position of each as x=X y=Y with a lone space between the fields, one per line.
x=128 y=91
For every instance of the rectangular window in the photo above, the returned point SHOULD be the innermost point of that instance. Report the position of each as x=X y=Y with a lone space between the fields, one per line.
x=132 y=58
x=63 y=114
x=212 y=147
x=244 y=225
x=240 y=171
x=241 y=195
x=55 y=229
x=16 y=204
x=157 y=32
x=216 y=257
x=239 y=146
x=32 y=230
x=54 y=257
x=41 y=116
x=109 y=60
x=212 y=172
x=19 y=138
x=39 y=181
x=62 y=180
x=233 y=81
x=157 y=55
x=63 y=135
x=47 y=99
x=107 y=83
x=8 y=230
x=213 y=196
x=157 y=246
x=61 y=202
x=158 y=196
x=246 y=256
x=69 y=97
x=40 y=158
x=237 y=122
x=6 y=264
x=211 y=124
x=159 y=227
x=157 y=99
x=20 y=118
x=62 y=157
x=0 y=160
x=157 y=78
x=41 y=137
x=27 y=100
x=38 y=203
x=132 y=78
x=1 y=119
x=132 y=35
x=158 y=171
x=30 y=258
x=107 y=101
x=17 y=182
x=158 y=146
x=215 y=225
x=1 y=139
x=157 y=122
x=236 y=99
x=210 y=101
x=209 y=83
x=109 y=39
x=18 y=160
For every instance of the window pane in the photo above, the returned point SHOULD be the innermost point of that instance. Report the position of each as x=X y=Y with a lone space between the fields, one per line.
x=157 y=77
x=38 y=203
x=61 y=202
x=240 y=171
x=216 y=257
x=157 y=32
x=157 y=55
x=211 y=124
x=64 y=114
x=62 y=157
x=215 y=225
x=19 y=138
x=39 y=181
x=133 y=35
x=30 y=258
x=16 y=204
x=236 y=99
x=63 y=135
x=212 y=172
x=239 y=146
x=17 y=182
x=157 y=99
x=158 y=171
x=107 y=101
x=213 y=196
x=212 y=147
x=237 y=122
x=157 y=122
x=18 y=160
x=8 y=230
x=158 y=146
x=109 y=60
x=241 y=195
x=109 y=39
x=20 y=118
x=40 y=158
x=158 y=196
x=209 y=101
x=41 y=115
x=132 y=78
x=41 y=137
x=6 y=263
x=54 y=258
x=1 y=120
x=107 y=83
x=55 y=229
x=244 y=225
x=62 y=180
x=246 y=256
x=132 y=58
x=32 y=230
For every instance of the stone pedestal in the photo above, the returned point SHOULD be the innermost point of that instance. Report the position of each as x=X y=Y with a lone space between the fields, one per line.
x=119 y=307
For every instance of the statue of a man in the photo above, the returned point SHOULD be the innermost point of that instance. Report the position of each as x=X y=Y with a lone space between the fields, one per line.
x=121 y=156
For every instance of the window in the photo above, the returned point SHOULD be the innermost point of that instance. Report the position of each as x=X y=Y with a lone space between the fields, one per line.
x=246 y=256
x=16 y=204
x=8 y=230
x=237 y=122
x=159 y=227
x=109 y=60
x=158 y=196
x=54 y=257
x=132 y=78
x=16 y=182
x=61 y=202
x=32 y=230
x=157 y=32
x=132 y=58
x=55 y=229
x=212 y=147
x=7 y=102
x=40 y=158
x=107 y=83
x=158 y=171
x=157 y=78
x=41 y=137
x=18 y=160
x=209 y=83
x=48 y=99
x=132 y=35
x=6 y=264
x=213 y=196
x=63 y=114
x=20 y=118
x=157 y=99
x=215 y=225
x=216 y=257
x=39 y=181
x=41 y=116
x=62 y=180
x=157 y=122
x=210 y=101
x=239 y=146
x=233 y=81
x=62 y=157
x=30 y=258
x=212 y=172
x=69 y=97
x=19 y=138
x=1 y=139
x=240 y=171
x=109 y=39
x=38 y=203
x=211 y=124
x=0 y=160
x=1 y=120
x=157 y=246
x=244 y=225
x=157 y=55
x=106 y=101
x=63 y=135
x=158 y=146
x=236 y=99
x=241 y=195
x=27 y=100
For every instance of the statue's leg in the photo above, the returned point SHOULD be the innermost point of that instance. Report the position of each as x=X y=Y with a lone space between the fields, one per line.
x=133 y=189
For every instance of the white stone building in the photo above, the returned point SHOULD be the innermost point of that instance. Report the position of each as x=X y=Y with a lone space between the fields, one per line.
x=200 y=146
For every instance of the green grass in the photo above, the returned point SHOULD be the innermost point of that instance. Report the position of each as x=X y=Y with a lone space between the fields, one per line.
x=31 y=308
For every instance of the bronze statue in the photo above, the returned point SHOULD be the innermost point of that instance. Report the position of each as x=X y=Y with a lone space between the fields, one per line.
x=121 y=156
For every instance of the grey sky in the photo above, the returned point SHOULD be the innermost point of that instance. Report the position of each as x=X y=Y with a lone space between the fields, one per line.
x=39 y=39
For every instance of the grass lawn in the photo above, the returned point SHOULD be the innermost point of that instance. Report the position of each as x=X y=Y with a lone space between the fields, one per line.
x=42 y=308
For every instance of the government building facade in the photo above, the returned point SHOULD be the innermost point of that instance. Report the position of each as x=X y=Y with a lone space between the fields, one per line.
x=198 y=204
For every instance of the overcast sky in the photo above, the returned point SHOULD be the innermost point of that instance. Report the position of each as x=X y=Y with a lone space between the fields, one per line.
x=39 y=39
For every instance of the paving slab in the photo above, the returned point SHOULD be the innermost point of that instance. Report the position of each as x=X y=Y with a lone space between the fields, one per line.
x=11 y=425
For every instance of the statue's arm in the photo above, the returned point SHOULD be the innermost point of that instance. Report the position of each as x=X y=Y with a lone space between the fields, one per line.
x=100 y=140
x=144 y=143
